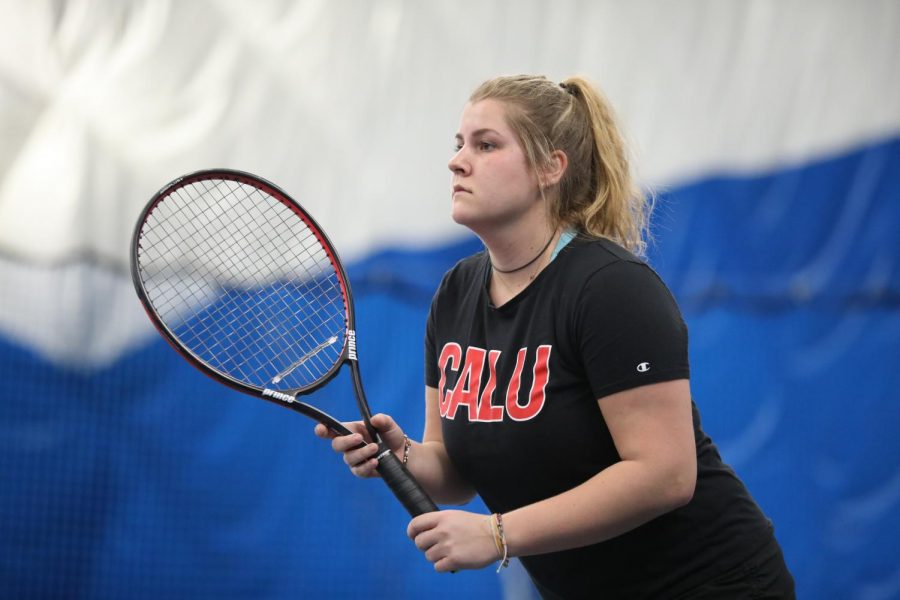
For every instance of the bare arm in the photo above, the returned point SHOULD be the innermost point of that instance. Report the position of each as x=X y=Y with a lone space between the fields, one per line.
x=428 y=460
x=430 y=463
x=652 y=428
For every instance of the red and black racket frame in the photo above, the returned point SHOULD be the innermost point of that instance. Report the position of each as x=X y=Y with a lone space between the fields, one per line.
x=401 y=482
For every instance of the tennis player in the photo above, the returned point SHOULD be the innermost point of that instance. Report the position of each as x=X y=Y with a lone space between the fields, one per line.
x=557 y=377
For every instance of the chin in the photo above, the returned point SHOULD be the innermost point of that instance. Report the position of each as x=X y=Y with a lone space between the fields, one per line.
x=460 y=214
x=475 y=217
x=476 y=225
x=466 y=218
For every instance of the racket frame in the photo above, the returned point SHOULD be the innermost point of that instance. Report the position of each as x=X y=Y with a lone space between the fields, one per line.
x=288 y=398
x=407 y=490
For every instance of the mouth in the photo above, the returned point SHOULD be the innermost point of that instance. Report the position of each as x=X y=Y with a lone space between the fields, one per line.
x=459 y=188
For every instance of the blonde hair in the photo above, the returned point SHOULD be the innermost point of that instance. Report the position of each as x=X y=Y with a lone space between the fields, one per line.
x=596 y=195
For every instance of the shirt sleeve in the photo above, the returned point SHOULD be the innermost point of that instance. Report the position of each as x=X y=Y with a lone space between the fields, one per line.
x=629 y=329
x=431 y=371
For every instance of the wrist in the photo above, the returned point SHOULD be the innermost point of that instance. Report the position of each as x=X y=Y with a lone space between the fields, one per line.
x=492 y=532
x=499 y=533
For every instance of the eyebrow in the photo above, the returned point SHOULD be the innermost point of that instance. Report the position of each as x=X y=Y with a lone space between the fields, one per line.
x=479 y=132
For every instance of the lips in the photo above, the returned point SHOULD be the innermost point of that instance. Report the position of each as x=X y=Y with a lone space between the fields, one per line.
x=459 y=188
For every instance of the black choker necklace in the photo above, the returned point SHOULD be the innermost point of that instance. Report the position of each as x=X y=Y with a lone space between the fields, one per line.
x=528 y=264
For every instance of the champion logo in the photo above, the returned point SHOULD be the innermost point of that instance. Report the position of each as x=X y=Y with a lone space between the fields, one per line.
x=643 y=367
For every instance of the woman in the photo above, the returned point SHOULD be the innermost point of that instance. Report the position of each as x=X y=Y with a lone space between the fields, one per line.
x=557 y=378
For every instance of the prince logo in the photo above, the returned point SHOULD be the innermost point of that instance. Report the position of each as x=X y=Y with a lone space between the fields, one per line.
x=351 y=344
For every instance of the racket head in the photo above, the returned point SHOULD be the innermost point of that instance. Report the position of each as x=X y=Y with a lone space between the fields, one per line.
x=242 y=281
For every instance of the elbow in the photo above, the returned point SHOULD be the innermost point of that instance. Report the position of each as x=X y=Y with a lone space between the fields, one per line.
x=681 y=485
x=674 y=482
x=683 y=494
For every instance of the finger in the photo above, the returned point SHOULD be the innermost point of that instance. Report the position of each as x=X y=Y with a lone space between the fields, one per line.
x=346 y=443
x=383 y=423
x=435 y=554
x=358 y=427
x=389 y=431
x=357 y=458
x=323 y=432
x=386 y=426
x=354 y=427
x=446 y=565
x=426 y=540
x=366 y=470
x=422 y=523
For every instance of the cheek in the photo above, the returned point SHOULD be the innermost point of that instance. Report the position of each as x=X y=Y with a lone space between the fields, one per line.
x=515 y=172
x=503 y=176
x=515 y=184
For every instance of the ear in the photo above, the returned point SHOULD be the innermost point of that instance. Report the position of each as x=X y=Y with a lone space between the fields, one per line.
x=555 y=169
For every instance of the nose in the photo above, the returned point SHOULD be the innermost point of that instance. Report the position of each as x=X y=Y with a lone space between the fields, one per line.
x=458 y=164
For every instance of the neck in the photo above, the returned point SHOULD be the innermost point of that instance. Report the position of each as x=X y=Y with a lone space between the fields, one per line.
x=537 y=256
x=518 y=262
x=513 y=244
x=507 y=283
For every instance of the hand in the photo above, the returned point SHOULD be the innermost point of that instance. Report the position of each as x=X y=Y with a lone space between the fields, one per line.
x=454 y=539
x=362 y=461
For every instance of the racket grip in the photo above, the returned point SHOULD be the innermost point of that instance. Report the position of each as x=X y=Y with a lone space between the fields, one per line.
x=403 y=484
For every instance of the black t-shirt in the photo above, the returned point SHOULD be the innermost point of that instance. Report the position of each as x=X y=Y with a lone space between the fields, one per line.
x=518 y=388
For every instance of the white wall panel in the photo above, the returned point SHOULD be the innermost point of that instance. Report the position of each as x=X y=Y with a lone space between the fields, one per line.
x=352 y=106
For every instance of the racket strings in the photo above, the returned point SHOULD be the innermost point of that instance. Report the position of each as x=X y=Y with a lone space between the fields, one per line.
x=315 y=274
x=244 y=332
x=245 y=283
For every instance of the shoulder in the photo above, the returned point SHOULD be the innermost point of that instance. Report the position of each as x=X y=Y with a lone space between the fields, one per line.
x=624 y=317
x=597 y=253
x=602 y=278
x=469 y=265
x=600 y=261
x=468 y=271
x=461 y=279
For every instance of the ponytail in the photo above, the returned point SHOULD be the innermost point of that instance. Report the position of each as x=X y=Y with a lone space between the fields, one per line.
x=597 y=195
x=614 y=206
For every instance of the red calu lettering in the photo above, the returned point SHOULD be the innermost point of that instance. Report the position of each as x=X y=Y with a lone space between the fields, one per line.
x=468 y=384
x=487 y=412
x=541 y=374
x=451 y=356
x=468 y=393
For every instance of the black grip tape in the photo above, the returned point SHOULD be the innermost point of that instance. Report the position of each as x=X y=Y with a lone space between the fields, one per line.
x=403 y=484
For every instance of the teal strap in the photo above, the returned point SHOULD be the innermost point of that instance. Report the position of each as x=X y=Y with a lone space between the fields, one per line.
x=565 y=237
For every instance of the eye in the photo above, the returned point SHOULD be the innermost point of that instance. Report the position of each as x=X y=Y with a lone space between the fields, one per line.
x=486 y=146
x=457 y=147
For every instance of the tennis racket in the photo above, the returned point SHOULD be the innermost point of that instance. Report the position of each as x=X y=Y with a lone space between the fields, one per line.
x=243 y=282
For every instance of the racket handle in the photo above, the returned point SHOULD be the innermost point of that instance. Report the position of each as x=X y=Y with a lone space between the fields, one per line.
x=403 y=484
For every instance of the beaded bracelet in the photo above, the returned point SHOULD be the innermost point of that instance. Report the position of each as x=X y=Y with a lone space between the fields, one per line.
x=500 y=540
x=492 y=523
x=407 y=444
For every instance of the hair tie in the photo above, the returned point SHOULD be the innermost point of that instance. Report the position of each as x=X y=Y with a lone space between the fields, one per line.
x=567 y=88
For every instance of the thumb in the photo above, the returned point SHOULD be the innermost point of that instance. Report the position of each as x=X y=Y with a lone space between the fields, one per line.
x=389 y=431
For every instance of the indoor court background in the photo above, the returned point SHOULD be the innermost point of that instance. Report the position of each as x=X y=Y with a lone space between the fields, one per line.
x=769 y=131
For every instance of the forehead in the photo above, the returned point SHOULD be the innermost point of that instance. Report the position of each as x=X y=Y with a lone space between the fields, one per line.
x=484 y=114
